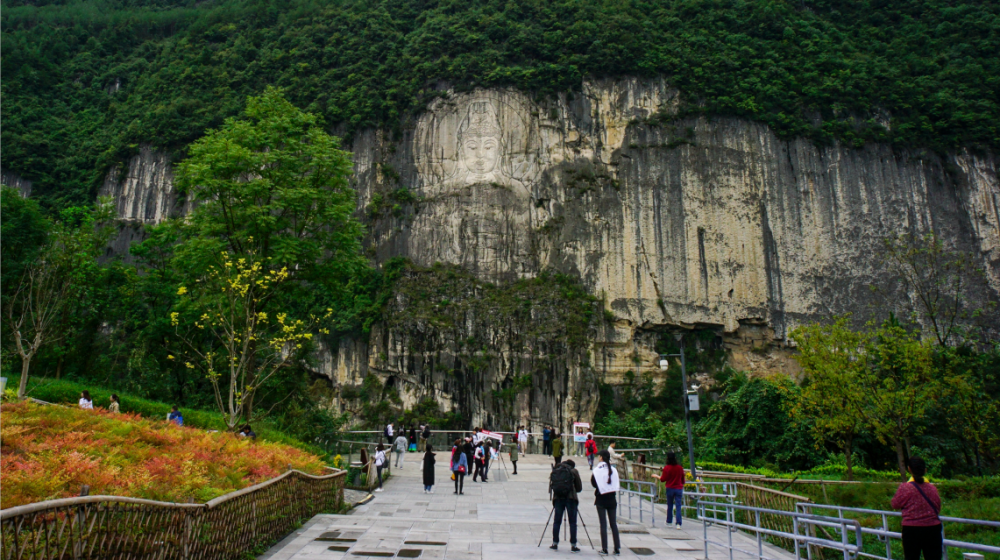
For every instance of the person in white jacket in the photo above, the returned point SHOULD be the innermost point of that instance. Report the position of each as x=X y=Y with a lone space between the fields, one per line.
x=522 y=440
x=400 y=444
x=611 y=451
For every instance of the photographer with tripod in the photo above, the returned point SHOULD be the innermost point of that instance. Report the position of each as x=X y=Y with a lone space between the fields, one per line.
x=564 y=484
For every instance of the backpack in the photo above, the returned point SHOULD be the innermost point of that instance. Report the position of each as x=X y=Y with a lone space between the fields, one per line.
x=562 y=482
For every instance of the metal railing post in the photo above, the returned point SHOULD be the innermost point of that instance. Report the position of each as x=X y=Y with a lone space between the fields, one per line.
x=760 y=543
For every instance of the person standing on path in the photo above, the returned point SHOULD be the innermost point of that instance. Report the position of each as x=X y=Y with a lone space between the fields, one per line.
x=921 y=507
x=522 y=440
x=459 y=466
x=513 y=457
x=388 y=432
x=487 y=456
x=114 y=407
x=557 y=446
x=470 y=452
x=477 y=457
x=429 y=470
x=611 y=451
x=547 y=441
x=380 y=462
x=425 y=435
x=591 y=447
x=400 y=445
x=672 y=478
x=606 y=483
x=413 y=438
x=564 y=486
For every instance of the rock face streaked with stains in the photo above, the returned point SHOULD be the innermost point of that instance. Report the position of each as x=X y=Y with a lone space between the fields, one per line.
x=709 y=222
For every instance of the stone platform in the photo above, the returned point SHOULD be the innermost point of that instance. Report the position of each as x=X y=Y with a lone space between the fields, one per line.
x=499 y=520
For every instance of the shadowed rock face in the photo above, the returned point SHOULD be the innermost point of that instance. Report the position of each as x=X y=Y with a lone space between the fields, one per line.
x=696 y=221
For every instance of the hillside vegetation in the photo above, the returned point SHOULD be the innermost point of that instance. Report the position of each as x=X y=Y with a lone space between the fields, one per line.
x=85 y=82
x=50 y=452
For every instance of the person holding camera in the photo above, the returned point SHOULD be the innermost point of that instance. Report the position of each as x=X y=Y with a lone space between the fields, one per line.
x=564 y=485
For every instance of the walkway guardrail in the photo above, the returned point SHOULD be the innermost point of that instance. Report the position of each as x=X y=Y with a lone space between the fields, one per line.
x=643 y=492
x=885 y=535
x=230 y=526
x=749 y=519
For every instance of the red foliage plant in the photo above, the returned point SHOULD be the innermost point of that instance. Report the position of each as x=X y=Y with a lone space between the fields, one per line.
x=49 y=452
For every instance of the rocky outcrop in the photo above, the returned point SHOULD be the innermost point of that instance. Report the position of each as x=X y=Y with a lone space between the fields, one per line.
x=713 y=223
x=710 y=222
x=143 y=193
x=15 y=181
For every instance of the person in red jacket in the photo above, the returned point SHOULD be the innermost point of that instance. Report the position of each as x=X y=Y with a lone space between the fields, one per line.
x=921 y=507
x=591 y=446
x=673 y=478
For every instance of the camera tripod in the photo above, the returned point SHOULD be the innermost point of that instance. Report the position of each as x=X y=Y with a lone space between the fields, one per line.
x=578 y=516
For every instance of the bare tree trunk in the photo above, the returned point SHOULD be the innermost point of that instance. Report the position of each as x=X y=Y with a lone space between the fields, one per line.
x=22 y=389
x=901 y=457
x=848 y=445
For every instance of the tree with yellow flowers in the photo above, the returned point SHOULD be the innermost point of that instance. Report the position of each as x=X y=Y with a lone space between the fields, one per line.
x=238 y=347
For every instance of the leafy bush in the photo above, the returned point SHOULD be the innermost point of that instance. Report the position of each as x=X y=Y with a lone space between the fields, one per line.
x=49 y=452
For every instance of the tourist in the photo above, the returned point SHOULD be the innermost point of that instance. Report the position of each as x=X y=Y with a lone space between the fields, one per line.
x=591 y=447
x=413 y=438
x=247 y=432
x=175 y=416
x=921 y=509
x=459 y=466
x=487 y=457
x=400 y=445
x=114 y=407
x=425 y=435
x=611 y=451
x=564 y=483
x=579 y=444
x=469 y=451
x=86 y=402
x=672 y=478
x=429 y=470
x=522 y=440
x=547 y=441
x=557 y=446
x=605 y=480
x=388 y=432
x=477 y=457
x=379 y=464
x=513 y=457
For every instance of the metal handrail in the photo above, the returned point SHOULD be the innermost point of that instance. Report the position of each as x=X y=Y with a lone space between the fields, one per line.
x=631 y=488
x=885 y=535
x=799 y=521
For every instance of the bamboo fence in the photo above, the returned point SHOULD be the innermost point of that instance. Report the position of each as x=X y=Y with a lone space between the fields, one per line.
x=113 y=527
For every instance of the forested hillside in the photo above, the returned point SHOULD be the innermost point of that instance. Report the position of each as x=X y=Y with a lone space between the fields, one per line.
x=85 y=82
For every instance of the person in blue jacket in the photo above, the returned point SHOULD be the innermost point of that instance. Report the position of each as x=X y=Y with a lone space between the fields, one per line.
x=459 y=466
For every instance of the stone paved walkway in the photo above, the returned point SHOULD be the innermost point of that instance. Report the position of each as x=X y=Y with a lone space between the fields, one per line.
x=502 y=519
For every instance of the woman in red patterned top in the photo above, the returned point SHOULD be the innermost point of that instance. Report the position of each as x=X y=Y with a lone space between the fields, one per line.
x=921 y=507
x=673 y=478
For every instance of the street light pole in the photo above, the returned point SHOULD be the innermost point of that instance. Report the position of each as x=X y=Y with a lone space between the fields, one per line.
x=687 y=412
x=664 y=364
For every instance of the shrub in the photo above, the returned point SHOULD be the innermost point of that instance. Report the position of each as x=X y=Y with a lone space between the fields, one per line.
x=49 y=452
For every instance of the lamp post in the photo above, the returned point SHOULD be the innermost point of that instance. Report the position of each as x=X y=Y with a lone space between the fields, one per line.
x=664 y=364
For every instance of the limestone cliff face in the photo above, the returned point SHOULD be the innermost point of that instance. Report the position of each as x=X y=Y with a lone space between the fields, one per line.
x=15 y=181
x=710 y=222
x=696 y=221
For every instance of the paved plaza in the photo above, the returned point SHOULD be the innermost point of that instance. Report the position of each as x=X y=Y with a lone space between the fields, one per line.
x=500 y=520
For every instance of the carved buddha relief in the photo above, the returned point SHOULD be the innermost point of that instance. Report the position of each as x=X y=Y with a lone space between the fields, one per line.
x=477 y=140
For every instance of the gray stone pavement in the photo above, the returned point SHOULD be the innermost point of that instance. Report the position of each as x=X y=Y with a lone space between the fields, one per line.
x=499 y=520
